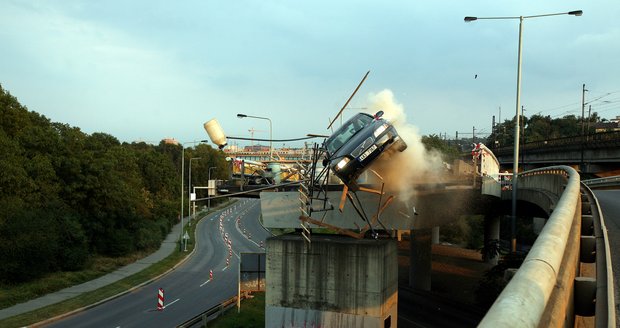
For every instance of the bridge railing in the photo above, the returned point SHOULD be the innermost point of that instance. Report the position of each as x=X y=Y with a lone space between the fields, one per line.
x=593 y=140
x=603 y=182
x=541 y=292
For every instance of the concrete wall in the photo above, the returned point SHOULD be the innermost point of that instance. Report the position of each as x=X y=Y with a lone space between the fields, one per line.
x=335 y=281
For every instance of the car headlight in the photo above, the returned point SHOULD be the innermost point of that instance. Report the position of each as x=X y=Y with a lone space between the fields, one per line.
x=343 y=162
x=380 y=130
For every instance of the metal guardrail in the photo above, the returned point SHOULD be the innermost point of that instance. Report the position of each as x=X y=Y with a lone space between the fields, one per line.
x=547 y=274
x=210 y=314
x=605 y=312
x=603 y=182
x=595 y=140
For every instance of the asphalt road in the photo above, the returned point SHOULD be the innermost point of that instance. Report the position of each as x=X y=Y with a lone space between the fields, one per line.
x=188 y=290
x=609 y=200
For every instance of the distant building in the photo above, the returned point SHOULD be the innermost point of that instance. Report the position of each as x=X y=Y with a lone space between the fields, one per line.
x=256 y=148
x=608 y=126
x=170 y=141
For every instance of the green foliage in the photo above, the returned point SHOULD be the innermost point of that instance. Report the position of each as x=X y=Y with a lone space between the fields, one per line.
x=252 y=314
x=65 y=195
x=540 y=128
x=435 y=142
x=493 y=281
x=467 y=231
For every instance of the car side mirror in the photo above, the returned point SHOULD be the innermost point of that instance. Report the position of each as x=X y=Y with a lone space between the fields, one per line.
x=378 y=114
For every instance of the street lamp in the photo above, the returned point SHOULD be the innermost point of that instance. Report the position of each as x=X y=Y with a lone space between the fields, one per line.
x=182 y=181
x=209 y=200
x=189 y=188
x=270 y=130
x=515 y=167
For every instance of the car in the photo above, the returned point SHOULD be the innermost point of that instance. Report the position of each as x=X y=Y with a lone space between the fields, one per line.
x=357 y=144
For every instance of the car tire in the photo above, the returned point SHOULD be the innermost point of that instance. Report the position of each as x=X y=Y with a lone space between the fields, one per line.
x=400 y=145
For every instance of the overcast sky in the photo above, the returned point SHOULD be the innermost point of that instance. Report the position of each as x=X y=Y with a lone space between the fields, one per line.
x=147 y=70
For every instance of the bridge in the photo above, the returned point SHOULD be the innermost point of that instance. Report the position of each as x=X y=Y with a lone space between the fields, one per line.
x=566 y=275
x=597 y=153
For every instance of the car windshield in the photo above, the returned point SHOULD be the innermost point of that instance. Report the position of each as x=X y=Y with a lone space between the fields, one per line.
x=348 y=130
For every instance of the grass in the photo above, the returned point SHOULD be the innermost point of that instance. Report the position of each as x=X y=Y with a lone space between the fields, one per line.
x=252 y=314
x=66 y=279
x=15 y=294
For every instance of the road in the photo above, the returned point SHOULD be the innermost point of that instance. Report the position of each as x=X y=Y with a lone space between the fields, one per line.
x=608 y=200
x=188 y=290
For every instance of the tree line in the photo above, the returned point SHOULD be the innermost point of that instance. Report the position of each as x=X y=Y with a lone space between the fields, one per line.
x=66 y=195
x=541 y=127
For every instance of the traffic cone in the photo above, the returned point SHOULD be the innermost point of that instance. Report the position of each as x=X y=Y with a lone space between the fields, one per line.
x=210 y=274
x=160 y=300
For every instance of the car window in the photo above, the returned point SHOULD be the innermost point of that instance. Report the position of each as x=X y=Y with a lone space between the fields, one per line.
x=346 y=131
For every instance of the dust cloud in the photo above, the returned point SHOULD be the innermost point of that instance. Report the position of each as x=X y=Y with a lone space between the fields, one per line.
x=401 y=172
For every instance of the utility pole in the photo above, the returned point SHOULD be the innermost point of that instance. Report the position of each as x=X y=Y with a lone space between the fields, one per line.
x=473 y=133
x=583 y=107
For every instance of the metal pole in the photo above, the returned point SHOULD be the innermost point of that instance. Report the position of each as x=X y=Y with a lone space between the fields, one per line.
x=209 y=200
x=189 y=189
x=515 y=167
x=182 y=179
x=583 y=106
x=270 y=140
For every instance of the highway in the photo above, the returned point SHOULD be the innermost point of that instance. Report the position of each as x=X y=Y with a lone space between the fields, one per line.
x=188 y=290
x=608 y=200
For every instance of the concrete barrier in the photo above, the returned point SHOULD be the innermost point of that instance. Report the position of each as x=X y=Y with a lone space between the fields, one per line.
x=523 y=302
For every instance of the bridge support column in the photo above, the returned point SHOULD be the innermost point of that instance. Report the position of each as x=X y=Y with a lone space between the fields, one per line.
x=334 y=281
x=491 y=239
x=420 y=259
x=435 y=239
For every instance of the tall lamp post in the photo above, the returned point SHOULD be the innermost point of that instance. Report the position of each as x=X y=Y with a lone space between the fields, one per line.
x=182 y=186
x=515 y=167
x=189 y=188
x=209 y=200
x=270 y=131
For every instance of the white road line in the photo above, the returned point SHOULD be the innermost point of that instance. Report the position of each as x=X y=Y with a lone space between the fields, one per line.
x=206 y=282
x=167 y=305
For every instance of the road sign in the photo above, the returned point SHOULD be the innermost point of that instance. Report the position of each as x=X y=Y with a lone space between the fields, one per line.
x=186 y=236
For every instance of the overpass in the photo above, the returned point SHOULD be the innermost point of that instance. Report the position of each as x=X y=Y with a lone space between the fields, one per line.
x=597 y=153
x=552 y=286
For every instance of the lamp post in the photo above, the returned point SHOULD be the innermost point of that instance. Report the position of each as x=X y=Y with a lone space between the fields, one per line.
x=515 y=167
x=209 y=200
x=270 y=130
x=189 y=188
x=182 y=186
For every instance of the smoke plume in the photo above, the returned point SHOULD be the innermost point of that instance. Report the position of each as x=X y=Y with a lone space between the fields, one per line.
x=401 y=172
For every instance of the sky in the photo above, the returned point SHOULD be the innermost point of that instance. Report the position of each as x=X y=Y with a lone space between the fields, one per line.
x=147 y=70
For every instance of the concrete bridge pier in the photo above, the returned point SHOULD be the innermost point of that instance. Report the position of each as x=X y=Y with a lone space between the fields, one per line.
x=420 y=259
x=333 y=281
x=435 y=239
x=491 y=239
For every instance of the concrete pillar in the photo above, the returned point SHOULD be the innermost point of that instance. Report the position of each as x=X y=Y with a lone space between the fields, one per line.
x=420 y=259
x=435 y=239
x=491 y=237
x=335 y=281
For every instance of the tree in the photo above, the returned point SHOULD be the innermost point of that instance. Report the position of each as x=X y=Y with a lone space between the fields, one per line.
x=449 y=152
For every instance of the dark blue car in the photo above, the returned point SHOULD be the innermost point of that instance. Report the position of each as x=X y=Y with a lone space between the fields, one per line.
x=356 y=145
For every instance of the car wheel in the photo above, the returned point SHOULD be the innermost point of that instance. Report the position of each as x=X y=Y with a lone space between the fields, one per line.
x=400 y=145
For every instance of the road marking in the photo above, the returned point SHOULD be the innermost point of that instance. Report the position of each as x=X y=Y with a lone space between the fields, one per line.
x=206 y=282
x=167 y=305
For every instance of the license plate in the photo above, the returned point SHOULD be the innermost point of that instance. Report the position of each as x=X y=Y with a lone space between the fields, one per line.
x=367 y=152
